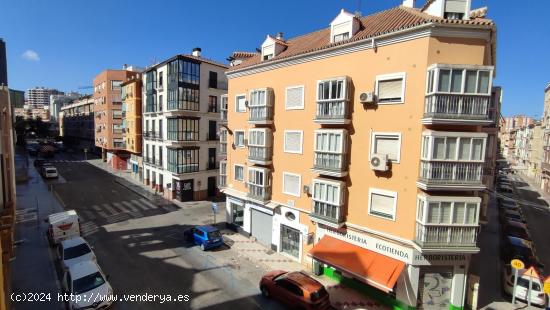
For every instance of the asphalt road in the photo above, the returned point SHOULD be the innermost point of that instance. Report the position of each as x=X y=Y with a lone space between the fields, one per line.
x=139 y=245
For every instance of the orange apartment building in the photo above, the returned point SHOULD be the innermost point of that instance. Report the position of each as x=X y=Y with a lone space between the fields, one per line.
x=358 y=149
x=131 y=124
x=108 y=116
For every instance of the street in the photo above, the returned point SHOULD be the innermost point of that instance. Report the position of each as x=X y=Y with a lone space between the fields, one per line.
x=140 y=245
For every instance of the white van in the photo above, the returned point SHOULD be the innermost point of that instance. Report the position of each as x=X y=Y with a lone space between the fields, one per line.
x=63 y=225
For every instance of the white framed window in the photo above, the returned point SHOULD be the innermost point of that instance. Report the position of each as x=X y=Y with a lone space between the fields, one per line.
x=390 y=88
x=238 y=138
x=268 y=51
x=332 y=89
x=453 y=146
x=328 y=199
x=292 y=184
x=240 y=103
x=387 y=143
x=293 y=141
x=259 y=137
x=341 y=31
x=294 y=98
x=238 y=173
x=448 y=211
x=382 y=203
x=459 y=79
x=330 y=141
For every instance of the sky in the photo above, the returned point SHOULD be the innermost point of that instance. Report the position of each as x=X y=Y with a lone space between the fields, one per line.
x=63 y=44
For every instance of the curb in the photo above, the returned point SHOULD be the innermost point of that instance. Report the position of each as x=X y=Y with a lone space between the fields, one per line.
x=121 y=181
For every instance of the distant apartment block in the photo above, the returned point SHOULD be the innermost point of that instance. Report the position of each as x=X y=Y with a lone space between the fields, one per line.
x=58 y=100
x=39 y=97
x=76 y=123
x=181 y=116
x=545 y=128
x=132 y=123
x=362 y=161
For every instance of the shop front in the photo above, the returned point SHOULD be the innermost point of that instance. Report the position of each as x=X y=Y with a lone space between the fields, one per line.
x=289 y=233
x=394 y=273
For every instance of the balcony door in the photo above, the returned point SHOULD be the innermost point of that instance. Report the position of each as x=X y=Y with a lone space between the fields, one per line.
x=212 y=130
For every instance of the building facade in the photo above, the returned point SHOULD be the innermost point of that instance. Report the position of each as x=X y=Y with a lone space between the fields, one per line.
x=57 y=101
x=17 y=98
x=180 y=126
x=508 y=133
x=76 y=123
x=545 y=127
x=132 y=122
x=362 y=161
x=108 y=116
x=39 y=97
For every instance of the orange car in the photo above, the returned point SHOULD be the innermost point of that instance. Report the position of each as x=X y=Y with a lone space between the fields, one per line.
x=295 y=289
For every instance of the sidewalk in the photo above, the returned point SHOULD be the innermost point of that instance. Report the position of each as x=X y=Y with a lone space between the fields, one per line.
x=533 y=185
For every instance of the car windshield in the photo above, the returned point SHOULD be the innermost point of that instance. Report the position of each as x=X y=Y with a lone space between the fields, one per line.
x=322 y=292
x=50 y=170
x=214 y=234
x=525 y=283
x=77 y=251
x=87 y=283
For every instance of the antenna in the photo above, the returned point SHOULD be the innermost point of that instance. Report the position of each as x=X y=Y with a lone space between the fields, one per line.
x=358 y=11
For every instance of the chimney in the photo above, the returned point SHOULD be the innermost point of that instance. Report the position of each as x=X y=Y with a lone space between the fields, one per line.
x=124 y=66
x=279 y=36
x=197 y=52
x=409 y=3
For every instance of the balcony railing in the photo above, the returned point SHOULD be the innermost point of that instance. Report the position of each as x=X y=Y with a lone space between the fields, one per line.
x=212 y=165
x=327 y=212
x=457 y=107
x=183 y=136
x=329 y=161
x=223 y=115
x=446 y=236
x=152 y=135
x=185 y=168
x=158 y=162
x=217 y=84
x=260 y=114
x=259 y=192
x=332 y=111
x=259 y=153
x=451 y=172
x=212 y=136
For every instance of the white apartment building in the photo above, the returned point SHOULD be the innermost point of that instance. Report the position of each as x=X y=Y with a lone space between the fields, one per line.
x=181 y=118
x=39 y=97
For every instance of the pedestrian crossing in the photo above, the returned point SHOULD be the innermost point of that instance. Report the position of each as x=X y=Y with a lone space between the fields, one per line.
x=118 y=211
x=65 y=161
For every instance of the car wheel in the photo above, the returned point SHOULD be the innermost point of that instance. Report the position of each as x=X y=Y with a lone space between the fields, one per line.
x=265 y=291
x=202 y=247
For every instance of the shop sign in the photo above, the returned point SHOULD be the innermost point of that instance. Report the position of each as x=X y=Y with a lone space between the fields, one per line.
x=440 y=259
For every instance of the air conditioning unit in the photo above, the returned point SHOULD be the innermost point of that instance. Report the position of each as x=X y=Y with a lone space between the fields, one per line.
x=379 y=162
x=366 y=97
x=306 y=189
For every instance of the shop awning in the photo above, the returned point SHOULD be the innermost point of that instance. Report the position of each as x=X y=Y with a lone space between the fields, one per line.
x=375 y=269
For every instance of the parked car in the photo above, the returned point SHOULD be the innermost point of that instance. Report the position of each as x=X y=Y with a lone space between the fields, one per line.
x=505 y=189
x=516 y=229
x=32 y=150
x=62 y=226
x=207 y=237
x=295 y=289
x=514 y=247
x=511 y=215
x=508 y=205
x=83 y=280
x=49 y=172
x=537 y=296
x=73 y=251
x=38 y=162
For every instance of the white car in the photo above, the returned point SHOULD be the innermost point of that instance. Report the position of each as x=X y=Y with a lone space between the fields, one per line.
x=49 y=172
x=538 y=297
x=88 y=286
x=74 y=250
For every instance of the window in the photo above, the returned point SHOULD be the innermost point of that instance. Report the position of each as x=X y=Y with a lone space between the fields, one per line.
x=161 y=80
x=240 y=103
x=183 y=129
x=387 y=143
x=238 y=173
x=237 y=214
x=447 y=211
x=459 y=80
x=212 y=79
x=327 y=199
x=293 y=141
x=331 y=90
x=151 y=81
x=183 y=160
x=382 y=203
x=341 y=31
x=239 y=138
x=292 y=184
x=212 y=104
x=390 y=88
x=258 y=97
x=453 y=148
x=294 y=98
x=115 y=85
x=340 y=37
x=268 y=52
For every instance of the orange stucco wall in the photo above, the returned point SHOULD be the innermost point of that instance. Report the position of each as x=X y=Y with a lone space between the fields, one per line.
x=412 y=57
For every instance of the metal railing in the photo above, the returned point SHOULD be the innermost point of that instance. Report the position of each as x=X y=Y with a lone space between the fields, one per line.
x=329 y=161
x=181 y=136
x=260 y=113
x=456 y=106
x=152 y=135
x=259 y=192
x=336 y=110
x=328 y=212
x=185 y=168
x=451 y=172
x=259 y=153
x=446 y=235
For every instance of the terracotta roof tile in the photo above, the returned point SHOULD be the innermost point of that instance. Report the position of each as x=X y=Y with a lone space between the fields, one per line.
x=384 y=22
x=240 y=55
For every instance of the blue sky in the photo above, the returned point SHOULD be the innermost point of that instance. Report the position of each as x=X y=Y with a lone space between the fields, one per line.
x=64 y=43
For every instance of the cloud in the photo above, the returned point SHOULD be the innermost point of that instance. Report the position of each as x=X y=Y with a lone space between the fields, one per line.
x=30 y=55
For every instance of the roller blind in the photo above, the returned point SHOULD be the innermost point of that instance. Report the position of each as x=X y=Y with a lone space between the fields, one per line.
x=291 y=184
x=390 y=90
x=293 y=142
x=294 y=98
x=382 y=205
x=389 y=145
x=341 y=28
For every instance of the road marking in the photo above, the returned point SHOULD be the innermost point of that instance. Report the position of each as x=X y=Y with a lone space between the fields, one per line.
x=129 y=206
x=89 y=215
x=145 y=201
x=96 y=207
x=138 y=203
x=109 y=208
x=88 y=228
x=118 y=218
x=120 y=207
x=103 y=214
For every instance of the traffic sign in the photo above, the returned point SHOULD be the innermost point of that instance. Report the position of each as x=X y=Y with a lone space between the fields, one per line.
x=531 y=272
x=214 y=207
x=547 y=285
x=517 y=264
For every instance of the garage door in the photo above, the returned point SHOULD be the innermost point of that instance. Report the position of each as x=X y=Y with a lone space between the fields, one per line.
x=261 y=227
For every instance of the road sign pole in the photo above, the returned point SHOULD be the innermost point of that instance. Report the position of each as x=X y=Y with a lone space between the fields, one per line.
x=514 y=288
x=529 y=292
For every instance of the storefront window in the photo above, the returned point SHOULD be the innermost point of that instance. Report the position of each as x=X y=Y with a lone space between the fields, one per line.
x=435 y=289
x=238 y=214
x=290 y=241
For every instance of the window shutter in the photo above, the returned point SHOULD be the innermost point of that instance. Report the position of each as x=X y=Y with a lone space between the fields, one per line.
x=294 y=97
x=433 y=213
x=387 y=145
x=471 y=213
x=382 y=204
x=445 y=212
x=293 y=142
x=458 y=213
x=291 y=184
x=390 y=90
x=240 y=103
x=341 y=28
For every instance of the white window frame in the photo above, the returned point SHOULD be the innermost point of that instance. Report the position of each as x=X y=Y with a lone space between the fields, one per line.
x=380 y=133
x=235 y=138
x=267 y=137
x=237 y=103
x=345 y=96
x=303 y=98
x=452 y=199
x=338 y=184
x=301 y=132
x=448 y=134
x=299 y=184
x=385 y=193
x=235 y=174
x=436 y=68
x=265 y=176
x=392 y=76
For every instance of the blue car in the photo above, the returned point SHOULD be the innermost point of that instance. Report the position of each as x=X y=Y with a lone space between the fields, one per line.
x=207 y=237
